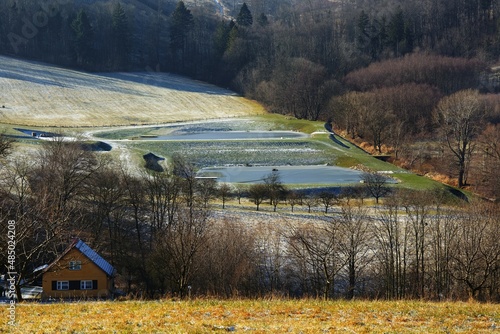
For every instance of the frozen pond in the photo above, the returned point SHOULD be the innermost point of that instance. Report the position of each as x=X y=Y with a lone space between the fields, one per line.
x=227 y=135
x=288 y=174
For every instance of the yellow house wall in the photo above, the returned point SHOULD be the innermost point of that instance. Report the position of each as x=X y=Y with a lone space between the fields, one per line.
x=88 y=271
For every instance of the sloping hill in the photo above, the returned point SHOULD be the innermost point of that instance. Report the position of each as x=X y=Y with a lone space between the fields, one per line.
x=43 y=95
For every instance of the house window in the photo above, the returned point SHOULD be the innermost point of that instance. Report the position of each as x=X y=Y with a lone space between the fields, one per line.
x=86 y=285
x=62 y=285
x=75 y=265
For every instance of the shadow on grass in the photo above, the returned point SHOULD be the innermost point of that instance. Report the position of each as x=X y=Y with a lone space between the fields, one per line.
x=457 y=193
x=338 y=142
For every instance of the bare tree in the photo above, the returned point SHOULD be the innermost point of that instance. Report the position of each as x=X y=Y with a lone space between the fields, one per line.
x=229 y=260
x=392 y=237
x=443 y=232
x=354 y=243
x=310 y=201
x=44 y=200
x=377 y=118
x=5 y=145
x=136 y=268
x=417 y=207
x=258 y=193
x=239 y=193
x=224 y=192
x=294 y=198
x=316 y=250
x=37 y=231
x=460 y=118
x=164 y=197
x=327 y=198
x=486 y=168
x=272 y=256
x=178 y=245
x=376 y=184
x=276 y=191
x=207 y=190
x=475 y=251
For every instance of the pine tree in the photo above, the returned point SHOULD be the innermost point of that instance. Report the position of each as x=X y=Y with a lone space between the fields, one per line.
x=262 y=20
x=121 y=37
x=181 y=24
x=221 y=39
x=244 y=17
x=83 y=37
x=363 y=36
x=396 y=31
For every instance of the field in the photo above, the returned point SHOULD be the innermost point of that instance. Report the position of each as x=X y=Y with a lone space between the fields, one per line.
x=35 y=94
x=255 y=316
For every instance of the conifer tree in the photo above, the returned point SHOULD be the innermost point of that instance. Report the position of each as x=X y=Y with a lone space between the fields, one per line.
x=221 y=39
x=262 y=20
x=83 y=38
x=244 y=17
x=121 y=37
x=181 y=24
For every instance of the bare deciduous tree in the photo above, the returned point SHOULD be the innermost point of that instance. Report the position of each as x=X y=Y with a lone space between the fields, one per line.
x=316 y=250
x=310 y=201
x=376 y=184
x=354 y=243
x=475 y=250
x=224 y=192
x=460 y=117
x=392 y=237
x=257 y=193
x=327 y=198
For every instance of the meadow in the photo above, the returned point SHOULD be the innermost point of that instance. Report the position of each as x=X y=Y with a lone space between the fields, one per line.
x=255 y=316
x=36 y=94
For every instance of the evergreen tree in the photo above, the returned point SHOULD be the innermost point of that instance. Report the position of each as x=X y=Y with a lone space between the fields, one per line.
x=83 y=38
x=409 y=39
x=262 y=20
x=221 y=39
x=244 y=17
x=396 y=31
x=233 y=35
x=363 y=32
x=121 y=37
x=181 y=24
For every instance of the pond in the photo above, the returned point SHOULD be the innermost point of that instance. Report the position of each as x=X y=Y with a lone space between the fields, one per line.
x=288 y=174
x=227 y=135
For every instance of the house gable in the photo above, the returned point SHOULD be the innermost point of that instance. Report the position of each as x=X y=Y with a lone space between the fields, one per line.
x=78 y=272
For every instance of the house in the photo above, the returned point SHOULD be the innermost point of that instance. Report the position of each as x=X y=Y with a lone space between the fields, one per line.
x=79 y=272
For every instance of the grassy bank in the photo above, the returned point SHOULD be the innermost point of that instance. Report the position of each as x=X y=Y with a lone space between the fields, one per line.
x=256 y=316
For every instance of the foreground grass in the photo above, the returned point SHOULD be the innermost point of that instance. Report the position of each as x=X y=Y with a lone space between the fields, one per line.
x=256 y=316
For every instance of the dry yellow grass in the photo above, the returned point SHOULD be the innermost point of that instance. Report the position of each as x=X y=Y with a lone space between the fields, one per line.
x=256 y=316
x=36 y=94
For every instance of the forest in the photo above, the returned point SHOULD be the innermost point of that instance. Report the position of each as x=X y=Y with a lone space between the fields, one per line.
x=412 y=79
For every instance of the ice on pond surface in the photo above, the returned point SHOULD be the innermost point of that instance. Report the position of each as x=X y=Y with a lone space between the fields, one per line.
x=229 y=135
x=288 y=174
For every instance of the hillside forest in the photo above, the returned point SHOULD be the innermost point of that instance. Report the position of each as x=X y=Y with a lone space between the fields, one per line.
x=415 y=80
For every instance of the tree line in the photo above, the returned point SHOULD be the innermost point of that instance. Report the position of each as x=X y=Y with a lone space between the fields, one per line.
x=166 y=237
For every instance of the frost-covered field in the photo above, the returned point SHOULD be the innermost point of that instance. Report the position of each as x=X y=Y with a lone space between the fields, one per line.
x=37 y=94
x=259 y=152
